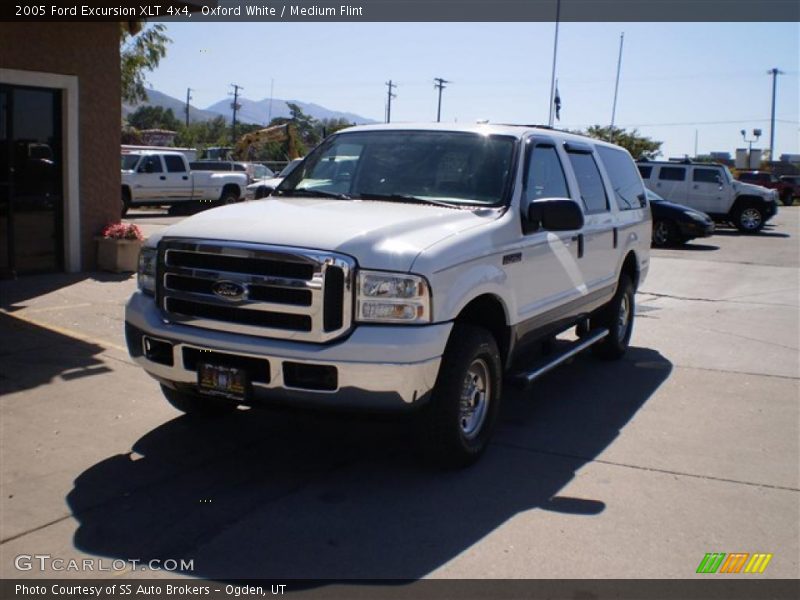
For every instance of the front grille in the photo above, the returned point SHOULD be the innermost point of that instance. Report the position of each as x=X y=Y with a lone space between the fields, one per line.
x=271 y=291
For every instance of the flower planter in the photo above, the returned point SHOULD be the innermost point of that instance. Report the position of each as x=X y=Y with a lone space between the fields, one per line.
x=117 y=256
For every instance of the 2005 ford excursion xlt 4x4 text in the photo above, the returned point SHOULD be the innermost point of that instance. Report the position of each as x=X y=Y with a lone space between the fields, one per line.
x=399 y=267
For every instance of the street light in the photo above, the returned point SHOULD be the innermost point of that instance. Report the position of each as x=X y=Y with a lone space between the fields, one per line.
x=756 y=135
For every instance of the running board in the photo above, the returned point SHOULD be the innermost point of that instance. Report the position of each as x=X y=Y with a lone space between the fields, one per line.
x=526 y=378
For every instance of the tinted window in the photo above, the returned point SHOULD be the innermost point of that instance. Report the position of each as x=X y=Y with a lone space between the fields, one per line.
x=150 y=164
x=545 y=175
x=174 y=164
x=210 y=165
x=590 y=183
x=645 y=171
x=706 y=176
x=672 y=174
x=625 y=179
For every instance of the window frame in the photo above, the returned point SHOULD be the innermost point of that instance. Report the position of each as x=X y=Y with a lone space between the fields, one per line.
x=675 y=168
x=531 y=144
x=573 y=148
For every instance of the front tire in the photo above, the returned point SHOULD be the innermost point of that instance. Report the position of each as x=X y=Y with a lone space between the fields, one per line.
x=617 y=317
x=788 y=198
x=196 y=404
x=458 y=422
x=229 y=196
x=749 y=219
x=665 y=233
x=126 y=201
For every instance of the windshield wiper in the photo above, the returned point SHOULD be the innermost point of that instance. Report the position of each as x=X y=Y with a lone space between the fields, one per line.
x=313 y=194
x=407 y=198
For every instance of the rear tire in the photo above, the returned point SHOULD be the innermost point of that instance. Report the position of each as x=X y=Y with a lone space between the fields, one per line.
x=617 y=317
x=126 y=201
x=196 y=404
x=229 y=196
x=748 y=219
x=458 y=423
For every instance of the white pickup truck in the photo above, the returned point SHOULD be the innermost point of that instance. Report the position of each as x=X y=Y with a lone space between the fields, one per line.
x=399 y=267
x=159 y=178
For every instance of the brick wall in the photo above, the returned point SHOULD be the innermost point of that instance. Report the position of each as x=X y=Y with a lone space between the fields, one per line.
x=91 y=52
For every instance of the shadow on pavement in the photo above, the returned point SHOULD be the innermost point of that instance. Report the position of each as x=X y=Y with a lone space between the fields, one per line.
x=289 y=494
x=13 y=292
x=31 y=356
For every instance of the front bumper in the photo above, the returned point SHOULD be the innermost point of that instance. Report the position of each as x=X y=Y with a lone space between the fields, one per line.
x=376 y=367
x=695 y=229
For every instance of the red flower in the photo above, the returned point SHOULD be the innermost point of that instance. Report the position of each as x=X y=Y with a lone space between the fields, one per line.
x=122 y=231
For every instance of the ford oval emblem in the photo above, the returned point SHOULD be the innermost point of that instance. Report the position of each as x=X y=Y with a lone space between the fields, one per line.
x=229 y=290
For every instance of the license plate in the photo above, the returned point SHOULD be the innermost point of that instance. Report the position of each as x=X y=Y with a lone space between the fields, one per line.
x=222 y=381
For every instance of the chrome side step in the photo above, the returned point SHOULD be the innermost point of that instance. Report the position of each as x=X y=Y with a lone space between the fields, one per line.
x=525 y=378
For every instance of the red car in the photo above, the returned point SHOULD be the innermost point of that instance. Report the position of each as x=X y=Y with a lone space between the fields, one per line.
x=786 y=190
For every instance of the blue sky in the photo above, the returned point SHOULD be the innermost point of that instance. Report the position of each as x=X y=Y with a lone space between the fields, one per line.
x=677 y=79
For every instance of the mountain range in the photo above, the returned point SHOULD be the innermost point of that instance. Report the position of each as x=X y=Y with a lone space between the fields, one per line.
x=251 y=111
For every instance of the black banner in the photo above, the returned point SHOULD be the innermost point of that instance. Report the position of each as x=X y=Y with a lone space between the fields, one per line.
x=404 y=10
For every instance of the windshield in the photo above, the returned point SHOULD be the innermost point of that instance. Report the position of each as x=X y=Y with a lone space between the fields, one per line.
x=129 y=161
x=458 y=168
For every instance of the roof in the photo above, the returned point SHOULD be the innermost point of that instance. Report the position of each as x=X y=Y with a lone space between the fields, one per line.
x=517 y=131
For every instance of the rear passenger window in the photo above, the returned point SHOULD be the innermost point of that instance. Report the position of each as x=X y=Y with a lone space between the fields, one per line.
x=706 y=176
x=545 y=175
x=627 y=184
x=645 y=171
x=590 y=184
x=174 y=164
x=672 y=174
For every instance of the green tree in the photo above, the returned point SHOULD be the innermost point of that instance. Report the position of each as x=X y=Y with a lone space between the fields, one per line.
x=202 y=134
x=326 y=127
x=139 y=53
x=638 y=145
x=154 y=117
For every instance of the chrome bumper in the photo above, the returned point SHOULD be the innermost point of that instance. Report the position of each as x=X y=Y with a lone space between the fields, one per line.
x=378 y=367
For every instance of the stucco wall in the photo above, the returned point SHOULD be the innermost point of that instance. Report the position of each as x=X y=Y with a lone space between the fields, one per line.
x=89 y=51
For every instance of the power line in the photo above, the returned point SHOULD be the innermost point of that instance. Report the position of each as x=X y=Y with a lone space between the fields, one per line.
x=188 y=99
x=389 y=96
x=440 y=84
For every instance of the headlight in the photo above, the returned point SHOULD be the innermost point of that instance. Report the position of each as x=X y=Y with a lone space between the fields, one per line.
x=146 y=275
x=392 y=298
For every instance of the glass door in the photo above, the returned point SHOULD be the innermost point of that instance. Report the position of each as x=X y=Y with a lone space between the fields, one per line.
x=31 y=197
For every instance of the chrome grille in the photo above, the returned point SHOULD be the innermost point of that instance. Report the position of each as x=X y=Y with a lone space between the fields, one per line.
x=286 y=293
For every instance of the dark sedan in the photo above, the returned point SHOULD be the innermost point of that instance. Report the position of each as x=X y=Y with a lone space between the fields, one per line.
x=675 y=224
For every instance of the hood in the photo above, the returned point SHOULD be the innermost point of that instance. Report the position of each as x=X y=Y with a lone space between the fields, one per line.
x=380 y=235
x=657 y=205
x=271 y=182
x=755 y=190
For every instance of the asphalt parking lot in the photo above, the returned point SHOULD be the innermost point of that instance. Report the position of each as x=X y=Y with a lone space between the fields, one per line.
x=632 y=469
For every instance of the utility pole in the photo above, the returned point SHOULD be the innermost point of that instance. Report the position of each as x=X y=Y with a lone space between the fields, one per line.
x=235 y=106
x=616 y=85
x=553 y=75
x=188 y=99
x=774 y=72
x=389 y=96
x=440 y=84
x=271 y=89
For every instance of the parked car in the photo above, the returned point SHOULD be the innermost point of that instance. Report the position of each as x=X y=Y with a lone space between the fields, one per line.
x=675 y=224
x=442 y=261
x=786 y=191
x=793 y=183
x=710 y=188
x=160 y=178
x=263 y=187
x=254 y=170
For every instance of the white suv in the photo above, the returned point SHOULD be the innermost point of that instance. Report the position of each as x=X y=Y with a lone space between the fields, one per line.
x=399 y=267
x=710 y=188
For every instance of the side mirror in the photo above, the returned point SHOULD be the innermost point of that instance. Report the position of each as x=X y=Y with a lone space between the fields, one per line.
x=557 y=214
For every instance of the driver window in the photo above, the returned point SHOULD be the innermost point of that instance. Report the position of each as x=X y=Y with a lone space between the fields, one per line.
x=545 y=178
x=151 y=164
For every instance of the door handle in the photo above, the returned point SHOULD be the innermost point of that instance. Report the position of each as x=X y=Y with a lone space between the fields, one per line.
x=579 y=238
x=163 y=178
x=185 y=177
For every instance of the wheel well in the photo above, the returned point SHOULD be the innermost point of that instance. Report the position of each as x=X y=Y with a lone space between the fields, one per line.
x=487 y=311
x=231 y=187
x=631 y=268
x=743 y=201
